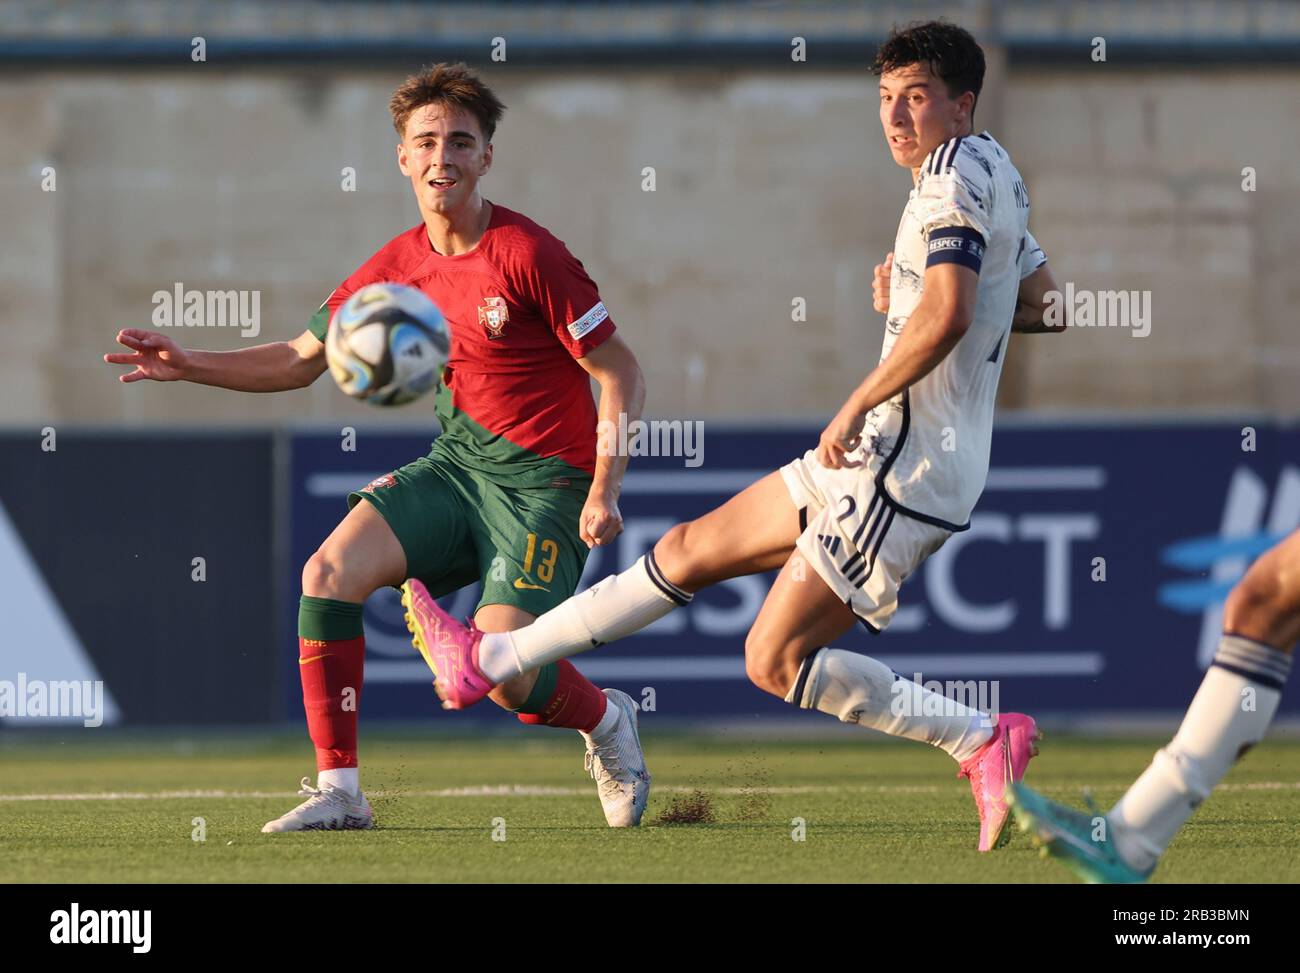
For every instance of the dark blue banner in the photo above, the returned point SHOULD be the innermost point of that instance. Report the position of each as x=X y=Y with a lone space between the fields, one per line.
x=138 y=565
x=1091 y=580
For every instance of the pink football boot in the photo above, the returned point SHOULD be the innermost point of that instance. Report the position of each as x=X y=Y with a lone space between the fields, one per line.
x=995 y=765
x=449 y=648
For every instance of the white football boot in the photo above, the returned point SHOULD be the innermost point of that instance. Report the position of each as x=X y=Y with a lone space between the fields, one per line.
x=618 y=766
x=327 y=809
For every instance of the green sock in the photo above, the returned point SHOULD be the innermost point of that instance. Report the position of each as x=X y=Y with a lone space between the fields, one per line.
x=327 y=620
x=543 y=689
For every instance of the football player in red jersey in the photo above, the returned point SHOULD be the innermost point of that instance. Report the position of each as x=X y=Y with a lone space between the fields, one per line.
x=512 y=494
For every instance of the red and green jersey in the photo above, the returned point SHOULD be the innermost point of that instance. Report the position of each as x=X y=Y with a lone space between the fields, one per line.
x=514 y=403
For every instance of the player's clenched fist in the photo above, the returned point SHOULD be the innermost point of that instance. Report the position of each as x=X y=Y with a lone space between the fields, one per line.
x=880 y=284
x=600 y=521
x=154 y=356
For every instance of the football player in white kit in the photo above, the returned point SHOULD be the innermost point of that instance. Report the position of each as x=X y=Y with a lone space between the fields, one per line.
x=896 y=472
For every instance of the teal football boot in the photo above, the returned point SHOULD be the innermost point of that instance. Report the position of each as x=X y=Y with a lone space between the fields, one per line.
x=1072 y=837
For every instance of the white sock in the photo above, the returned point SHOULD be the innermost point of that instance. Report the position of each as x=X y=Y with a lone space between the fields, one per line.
x=345 y=778
x=858 y=689
x=606 y=725
x=608 y=610
x=1230 y=712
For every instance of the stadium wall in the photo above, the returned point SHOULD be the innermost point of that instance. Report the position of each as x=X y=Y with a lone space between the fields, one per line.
x=770 y=186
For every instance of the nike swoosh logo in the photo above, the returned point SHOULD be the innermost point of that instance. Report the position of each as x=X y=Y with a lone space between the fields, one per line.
x=523 y=585
x=303 y=662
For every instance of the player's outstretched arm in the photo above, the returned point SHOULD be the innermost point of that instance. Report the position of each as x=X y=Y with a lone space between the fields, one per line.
x=275 y=367
x=622 y=392
x=1031 y=303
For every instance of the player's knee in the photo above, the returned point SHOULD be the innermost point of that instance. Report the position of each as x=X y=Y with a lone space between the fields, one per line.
x=1247 y=601
x=766 y=666
x=1264 y=604
x=676 y=559
x=323 y=576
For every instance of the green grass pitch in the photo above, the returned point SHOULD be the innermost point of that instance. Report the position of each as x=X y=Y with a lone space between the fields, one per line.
x=872 y=811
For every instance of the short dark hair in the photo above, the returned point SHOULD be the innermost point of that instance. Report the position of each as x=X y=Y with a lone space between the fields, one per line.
x=950 y=52
x=452 y=85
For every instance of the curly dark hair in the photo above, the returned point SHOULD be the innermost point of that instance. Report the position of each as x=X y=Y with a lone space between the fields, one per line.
x=951 y=53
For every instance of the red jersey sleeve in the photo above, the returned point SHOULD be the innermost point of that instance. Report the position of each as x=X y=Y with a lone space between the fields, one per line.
x=385 y=264
x=321 y=319
x=566 y=297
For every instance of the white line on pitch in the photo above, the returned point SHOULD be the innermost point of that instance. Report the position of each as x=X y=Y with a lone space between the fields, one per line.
x=530 y=790
x=487 y=790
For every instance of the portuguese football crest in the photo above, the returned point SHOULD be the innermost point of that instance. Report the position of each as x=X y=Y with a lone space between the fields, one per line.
x=380 y=483
x=493 y=315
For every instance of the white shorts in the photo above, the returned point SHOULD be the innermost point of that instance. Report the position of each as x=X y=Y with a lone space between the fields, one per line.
x=860 y=545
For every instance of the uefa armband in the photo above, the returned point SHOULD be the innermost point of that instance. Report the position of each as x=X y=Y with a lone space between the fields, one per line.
x=956 y=245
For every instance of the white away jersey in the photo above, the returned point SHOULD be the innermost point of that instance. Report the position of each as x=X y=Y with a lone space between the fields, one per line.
x=929 y=445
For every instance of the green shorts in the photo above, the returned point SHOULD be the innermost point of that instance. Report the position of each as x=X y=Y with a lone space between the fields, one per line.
x=458 y=527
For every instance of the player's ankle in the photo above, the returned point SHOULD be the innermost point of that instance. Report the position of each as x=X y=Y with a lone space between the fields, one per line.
x=343 y=778
x=497 y=659
x=1132 y=849
x=607 y=724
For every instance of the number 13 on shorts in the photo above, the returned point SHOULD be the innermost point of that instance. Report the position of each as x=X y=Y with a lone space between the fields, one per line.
x=546 y=566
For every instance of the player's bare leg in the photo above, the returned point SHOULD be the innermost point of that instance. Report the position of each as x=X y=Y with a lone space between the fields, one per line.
x=799 y=616
x=1230 y=713
x=785 y=655
x=358 y=558
x=752 y=532
x=1265 y=605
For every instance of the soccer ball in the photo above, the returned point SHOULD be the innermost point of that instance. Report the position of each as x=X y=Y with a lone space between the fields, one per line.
x=386 y=344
